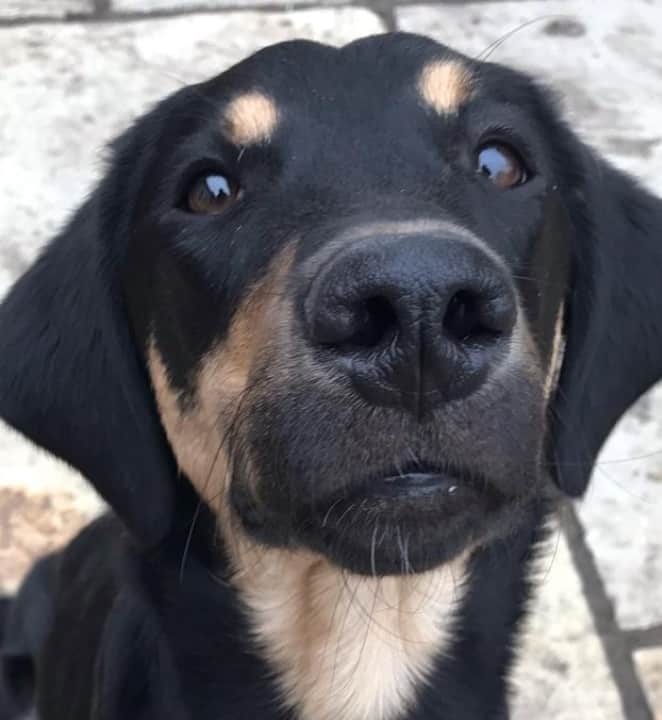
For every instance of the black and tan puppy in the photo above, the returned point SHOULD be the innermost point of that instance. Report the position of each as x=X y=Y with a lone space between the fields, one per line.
x=327 y=336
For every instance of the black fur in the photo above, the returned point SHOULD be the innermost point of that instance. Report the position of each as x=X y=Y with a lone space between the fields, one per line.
x=115 y=626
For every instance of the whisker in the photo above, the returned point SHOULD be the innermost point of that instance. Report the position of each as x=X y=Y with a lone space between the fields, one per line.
x=373 y=549
x=329 y=511
x=368 y=626
x=189 y=538
x=493 y=46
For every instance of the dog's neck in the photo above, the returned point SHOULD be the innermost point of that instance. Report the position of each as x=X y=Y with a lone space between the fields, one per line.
x=345 y=645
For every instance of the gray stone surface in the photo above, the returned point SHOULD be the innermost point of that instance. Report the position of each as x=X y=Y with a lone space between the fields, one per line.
x=606 y=62
x=649 y=667
x=12 y=9
x=622 y=514
x=562 y=673
x=42 y=503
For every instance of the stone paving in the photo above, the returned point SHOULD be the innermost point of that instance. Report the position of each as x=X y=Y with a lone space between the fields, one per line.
x=75 y=72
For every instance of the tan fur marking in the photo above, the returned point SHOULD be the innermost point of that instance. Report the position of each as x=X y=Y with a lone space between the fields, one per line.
x=346 y=646
x=445 y=85
x=193 y=436
x=197 y=435
x=250 y=118
x=556 y=359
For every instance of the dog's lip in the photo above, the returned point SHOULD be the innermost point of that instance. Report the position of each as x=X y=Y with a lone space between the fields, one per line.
x=418 y=485
x=415 y=484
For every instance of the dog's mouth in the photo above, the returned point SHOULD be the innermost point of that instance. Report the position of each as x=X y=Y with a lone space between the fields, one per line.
x=406 y=519
x=396 y=520
x=418 y=483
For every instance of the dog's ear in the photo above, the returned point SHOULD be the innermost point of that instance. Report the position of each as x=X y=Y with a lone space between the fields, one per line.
x=71 y=378
x=614 y=317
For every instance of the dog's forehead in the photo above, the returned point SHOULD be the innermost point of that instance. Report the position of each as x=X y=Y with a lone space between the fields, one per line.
x=297 y=78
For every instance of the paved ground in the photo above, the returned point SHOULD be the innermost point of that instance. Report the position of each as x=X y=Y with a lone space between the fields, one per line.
x=76 y=71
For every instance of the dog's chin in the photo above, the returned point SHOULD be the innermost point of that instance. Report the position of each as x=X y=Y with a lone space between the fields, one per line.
x=396 y=524
x=410 y=523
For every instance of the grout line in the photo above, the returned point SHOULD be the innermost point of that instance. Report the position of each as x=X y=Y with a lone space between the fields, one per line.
x=386 y=15
x=614 y=640
x=101 y=11
x=648 y=637
x=101 y=8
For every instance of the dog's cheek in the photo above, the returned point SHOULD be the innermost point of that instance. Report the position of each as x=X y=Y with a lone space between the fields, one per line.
x=194 y=426
x=508 y=412
x=206 y=422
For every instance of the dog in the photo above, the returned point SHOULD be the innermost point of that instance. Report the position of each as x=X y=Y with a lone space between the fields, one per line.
x=333 y=336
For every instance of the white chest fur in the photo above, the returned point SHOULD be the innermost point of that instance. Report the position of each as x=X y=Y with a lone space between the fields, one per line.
x=348 y=647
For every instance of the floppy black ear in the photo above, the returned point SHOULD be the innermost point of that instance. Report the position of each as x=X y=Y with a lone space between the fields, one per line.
x=71 y=379
x=614 y=318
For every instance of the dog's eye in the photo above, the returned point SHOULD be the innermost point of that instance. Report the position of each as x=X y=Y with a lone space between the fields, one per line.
x=502 y=165
x=211 y=194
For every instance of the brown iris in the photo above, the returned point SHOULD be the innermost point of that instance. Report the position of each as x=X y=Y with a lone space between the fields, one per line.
x=211 y=194
x=502 y=165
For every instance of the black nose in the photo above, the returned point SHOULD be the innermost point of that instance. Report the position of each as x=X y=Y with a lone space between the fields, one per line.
x=412 y=320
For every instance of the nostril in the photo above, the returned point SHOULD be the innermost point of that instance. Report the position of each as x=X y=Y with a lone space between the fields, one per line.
x=375 y=322
x=471 y=317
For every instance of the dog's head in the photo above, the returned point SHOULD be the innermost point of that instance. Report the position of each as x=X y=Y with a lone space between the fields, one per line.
x=369 y=301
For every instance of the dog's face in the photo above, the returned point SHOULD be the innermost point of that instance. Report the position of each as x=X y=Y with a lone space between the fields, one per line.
x=347 y=280
x=360 y=298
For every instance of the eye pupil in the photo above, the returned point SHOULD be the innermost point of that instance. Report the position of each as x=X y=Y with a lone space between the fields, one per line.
x=218 y=185
x=493 y=162
x=211 y=194
x=501 y=165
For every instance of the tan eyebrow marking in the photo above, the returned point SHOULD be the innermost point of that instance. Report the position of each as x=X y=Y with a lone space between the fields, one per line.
x=445 y=85
x=250 y=118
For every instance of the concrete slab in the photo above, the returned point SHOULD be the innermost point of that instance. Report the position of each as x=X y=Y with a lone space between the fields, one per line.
x=649 y=666
x=562 y=673
x=42 y=504
x=622 y=514
x=607 y=66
